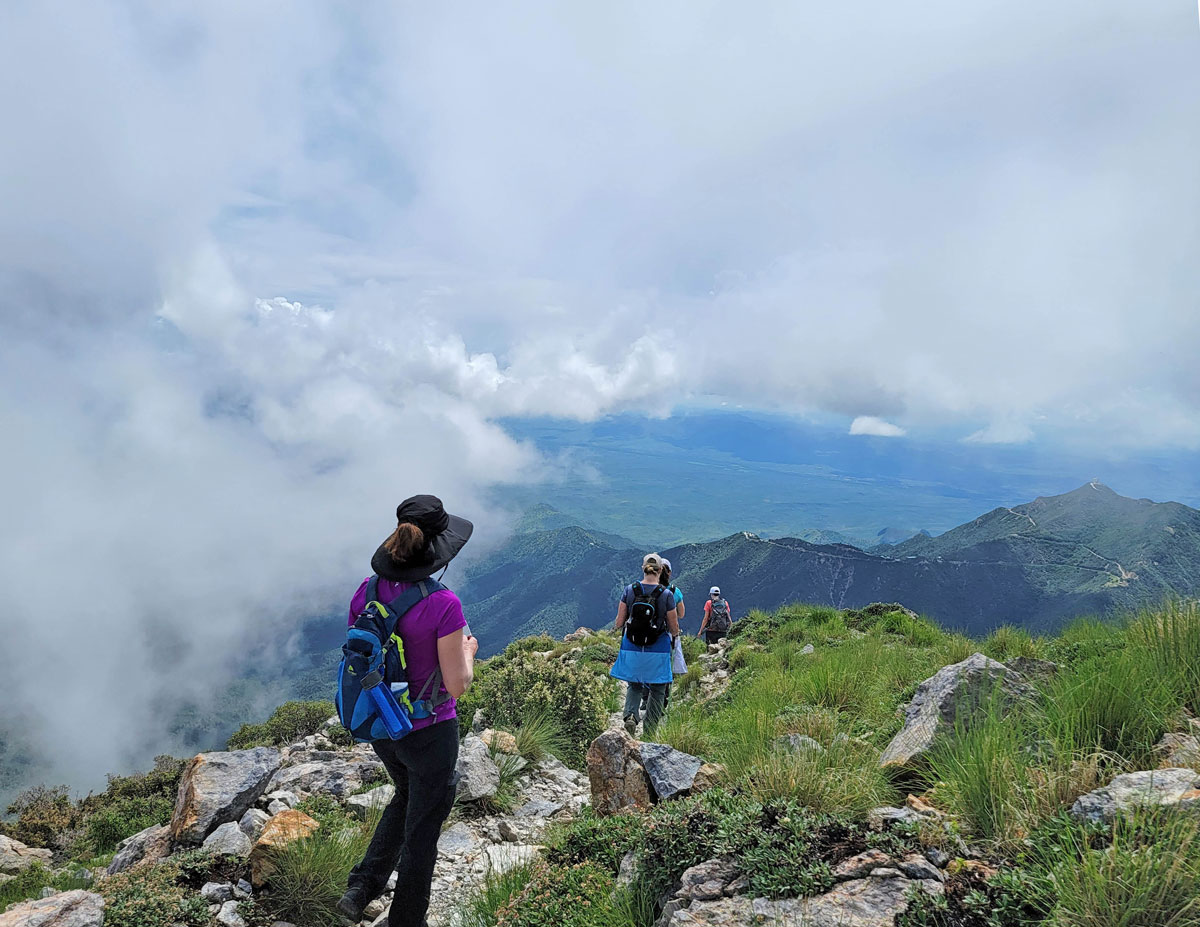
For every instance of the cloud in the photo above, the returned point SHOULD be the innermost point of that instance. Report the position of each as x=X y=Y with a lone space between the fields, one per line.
x=1003 y=432
x=266 y=268
x=870 y=425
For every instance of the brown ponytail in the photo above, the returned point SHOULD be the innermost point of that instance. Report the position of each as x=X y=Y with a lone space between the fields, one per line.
x=405 y=541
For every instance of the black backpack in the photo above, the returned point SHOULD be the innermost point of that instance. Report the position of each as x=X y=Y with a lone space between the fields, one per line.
x=718 y=616
x=646 y=620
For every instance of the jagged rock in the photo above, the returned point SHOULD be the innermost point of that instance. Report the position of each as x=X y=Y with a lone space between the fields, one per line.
x=508 y=833
x=878 y=817
x=374 y=908
x=500 y=741
x=1178 y=787
x=708 y=776
x=538 y=808
x=1178 y=750
x=918 y=867
x=858 y=903
x=479 y=777
x=671 y=771
x=860 y=866
x=149 y=845
x=220 y=787
x=626 y=870
x=457 y=839
x=252 y=823
x=228 y=840
x=937 y=856
x=228 y=916
x=578 y=634
x=478 y=721
x=807 y=649
x=801 y=743
x=285 y=798
x=17 y=857
x=332 y=775
x=947 y=698
x=365 y=804
x=217 y=892
x=504 y=856
x=706 y=881
x=48 y=892
x=618 y=779
x=281 y=830
x=75 y=908
x=243 y=890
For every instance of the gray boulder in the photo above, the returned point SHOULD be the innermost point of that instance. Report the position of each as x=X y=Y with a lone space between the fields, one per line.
x=671 y=771
x=64 y=909
x=220 y=787
x=1178 y=750
x=365 y=804
x=479 y=777
x=948 y=698
x=217 y=892
x=1177 y=787
x=253 y=822
x=149 y=845
x=16 y=857
x=228 y=840
x=457 y=839
x=229 y=916
x=332 y=774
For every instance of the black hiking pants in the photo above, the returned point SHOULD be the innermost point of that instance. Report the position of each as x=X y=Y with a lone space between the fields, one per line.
x=422 y=768
x=711 y=637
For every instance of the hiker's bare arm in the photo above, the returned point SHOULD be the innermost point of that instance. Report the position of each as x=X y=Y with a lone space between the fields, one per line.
x=622 y=613
x=681 y=607
x=673 y=622
x=456 y=657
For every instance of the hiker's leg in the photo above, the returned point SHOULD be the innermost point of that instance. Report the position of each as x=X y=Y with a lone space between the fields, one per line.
x=633 y=700
x=658 y=695
x=667 y=698
x=369 y=877
x=431 y=785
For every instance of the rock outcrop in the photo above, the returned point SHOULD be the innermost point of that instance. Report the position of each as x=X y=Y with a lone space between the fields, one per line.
x=281 y=830
x=949 y=698
x=17 y=857
x=228 y=840
x=478 y=775
x=618 y=778
x=671 y=771
x=220 y=787
x=1148 y=788
x=65 y=909
x=149 y=845
x=327 y=772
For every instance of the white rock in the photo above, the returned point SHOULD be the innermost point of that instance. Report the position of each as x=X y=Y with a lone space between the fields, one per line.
x=229 y=840
x=228 y=916
x=365 y=804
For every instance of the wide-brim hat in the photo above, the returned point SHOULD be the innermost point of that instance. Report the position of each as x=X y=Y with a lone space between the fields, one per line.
x=445 y=536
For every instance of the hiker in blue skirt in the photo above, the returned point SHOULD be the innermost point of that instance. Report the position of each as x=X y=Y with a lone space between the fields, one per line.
x=646 y=614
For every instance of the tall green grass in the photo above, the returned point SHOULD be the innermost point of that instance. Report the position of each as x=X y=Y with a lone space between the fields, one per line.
x=479 y=907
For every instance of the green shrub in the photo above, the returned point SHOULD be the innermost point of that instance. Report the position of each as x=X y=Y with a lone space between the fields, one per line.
x=601 y=840
x=114 y=821
x=43 y=816
x=290 y=722
x=29 y=883
x=1007 y=642
x=526 y=685
x=310 y=874
x=539 y=735
x=151 y=896
x=480 y=908
x=1146 y=877
x=562 y=896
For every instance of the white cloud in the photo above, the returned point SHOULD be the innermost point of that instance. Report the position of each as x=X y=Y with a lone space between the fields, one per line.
x=870 y=425
x=249 y=250
x=1002 y=432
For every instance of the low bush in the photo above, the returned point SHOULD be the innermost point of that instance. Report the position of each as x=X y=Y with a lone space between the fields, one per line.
x=43 y=816
x=562 y=896
x=290 y=722
x=481 y=907
x=526 y=685
x=29 y=884
x=151 y=896
x=603 y=840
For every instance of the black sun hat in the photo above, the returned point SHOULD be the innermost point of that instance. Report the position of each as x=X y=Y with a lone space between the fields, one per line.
x=445 y=535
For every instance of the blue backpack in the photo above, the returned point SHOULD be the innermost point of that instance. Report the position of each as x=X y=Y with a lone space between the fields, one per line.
x=373 y=699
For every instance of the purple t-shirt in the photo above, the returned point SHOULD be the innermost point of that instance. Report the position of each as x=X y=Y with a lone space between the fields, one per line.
x=438 y=615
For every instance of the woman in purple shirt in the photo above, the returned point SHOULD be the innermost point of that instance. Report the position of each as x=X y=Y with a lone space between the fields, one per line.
x=422 y=763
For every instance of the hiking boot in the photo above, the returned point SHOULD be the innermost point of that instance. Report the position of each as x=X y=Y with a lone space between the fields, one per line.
x=631 y=724
x=351 y=906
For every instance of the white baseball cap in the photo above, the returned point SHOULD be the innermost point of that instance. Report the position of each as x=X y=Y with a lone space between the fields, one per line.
x=715 y=590
x=666 y=563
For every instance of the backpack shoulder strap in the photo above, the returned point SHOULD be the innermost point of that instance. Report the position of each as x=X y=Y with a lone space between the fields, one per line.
x=373 y=588
x=408 y=599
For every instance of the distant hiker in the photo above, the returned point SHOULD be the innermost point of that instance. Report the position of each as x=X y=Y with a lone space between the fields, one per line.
x=717 y=617
x=440 y=659
x=646 y=614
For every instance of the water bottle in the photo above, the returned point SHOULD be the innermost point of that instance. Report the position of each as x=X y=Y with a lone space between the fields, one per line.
x=395 y=719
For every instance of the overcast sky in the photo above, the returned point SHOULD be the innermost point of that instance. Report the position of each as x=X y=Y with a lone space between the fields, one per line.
x=266 y=268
